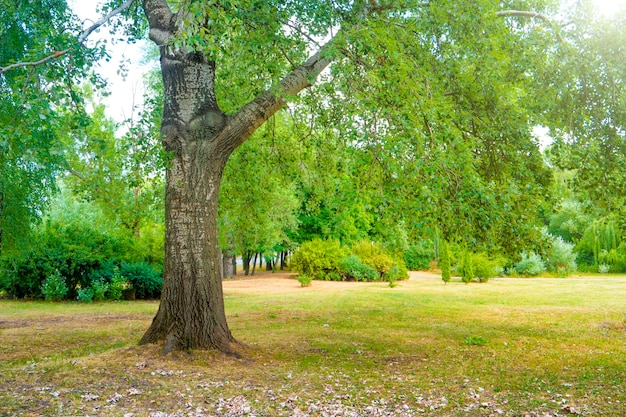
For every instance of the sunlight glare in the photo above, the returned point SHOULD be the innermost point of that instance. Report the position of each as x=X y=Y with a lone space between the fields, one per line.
x=609 y=7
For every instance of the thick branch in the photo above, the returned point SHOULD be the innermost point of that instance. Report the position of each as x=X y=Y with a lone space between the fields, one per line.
x=243 y=123
x=250 y=117
x=81 y=40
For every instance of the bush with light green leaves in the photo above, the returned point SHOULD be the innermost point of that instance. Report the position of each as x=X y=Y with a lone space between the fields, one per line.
x=318 y=257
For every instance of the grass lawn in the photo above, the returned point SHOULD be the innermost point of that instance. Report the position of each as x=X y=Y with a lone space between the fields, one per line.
x=511 y=347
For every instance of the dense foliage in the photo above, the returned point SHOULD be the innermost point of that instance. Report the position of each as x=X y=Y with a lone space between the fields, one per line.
x=76 y=252
x=364 y=261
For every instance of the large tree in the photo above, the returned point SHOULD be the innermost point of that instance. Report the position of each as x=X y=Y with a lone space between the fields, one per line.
x=412 y=76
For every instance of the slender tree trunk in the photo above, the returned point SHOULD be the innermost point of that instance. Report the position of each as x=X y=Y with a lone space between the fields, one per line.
x=246 y=262
x=234 y=260
x=227 y=264
x=269 y=263
x=254 y=262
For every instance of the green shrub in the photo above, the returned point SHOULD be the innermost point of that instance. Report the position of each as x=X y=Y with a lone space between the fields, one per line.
x=601 y=236
x=100 y=289
x=604 y=268
x=144 y=279
x=352 y=268
x=484 y=268
x=445 y=262
x=615 y=259
x=104 y=272
x=467 y=268
x=562 y=257
x=585 y=260
x=334 y=276
x=418 y=257
x=382 y=263
x=403 y=273
x=75 y=251
x=305 y=280
x=85 y=295
x=375 y=256
x=322 y=276
x=23 y=275
x=117 y=286
x=318 y=256
x=392 y=276
x=531 y=264
x=54 y=287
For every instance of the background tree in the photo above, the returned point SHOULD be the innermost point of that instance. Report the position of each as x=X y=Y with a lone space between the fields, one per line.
x=588 y=97
x=122 y=175
x=38 y=105
x=258 y=201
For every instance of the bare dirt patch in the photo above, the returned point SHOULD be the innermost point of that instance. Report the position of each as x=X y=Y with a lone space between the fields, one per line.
x=68 y=321
x=268 y=282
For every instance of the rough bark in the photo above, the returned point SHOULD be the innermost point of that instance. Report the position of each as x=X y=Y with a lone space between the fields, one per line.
x=191 y=314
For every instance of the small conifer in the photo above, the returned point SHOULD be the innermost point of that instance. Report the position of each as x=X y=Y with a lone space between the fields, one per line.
x=467 y=268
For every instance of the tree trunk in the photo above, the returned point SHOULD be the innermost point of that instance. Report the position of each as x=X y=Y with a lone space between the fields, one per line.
x=269 y=263
x=227 y=264
x=191 y=314
x=254 y=263
x=234 y=260
x=200 y=138
x=246 y=262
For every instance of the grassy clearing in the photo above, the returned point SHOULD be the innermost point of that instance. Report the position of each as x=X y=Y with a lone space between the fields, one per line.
x=538 y=347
